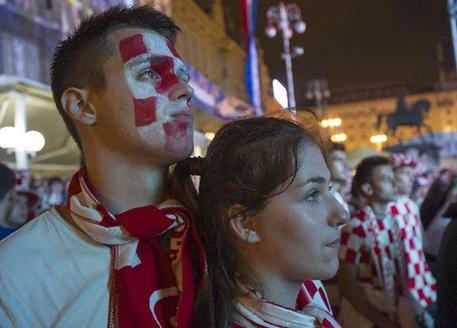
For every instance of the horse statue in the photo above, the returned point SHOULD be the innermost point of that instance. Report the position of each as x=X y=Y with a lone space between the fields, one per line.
x=404 y=116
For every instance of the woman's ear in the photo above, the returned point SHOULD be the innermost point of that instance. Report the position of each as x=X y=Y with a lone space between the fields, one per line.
x=76 y=104
x=243 y=226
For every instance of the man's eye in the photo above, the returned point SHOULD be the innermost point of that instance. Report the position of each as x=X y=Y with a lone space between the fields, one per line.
x=184 y=75
x=148 y=75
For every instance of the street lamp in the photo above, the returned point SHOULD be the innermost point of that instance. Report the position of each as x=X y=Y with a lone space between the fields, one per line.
x=281 y=17
x=331 y=122
x=452 y=9
x=318 y=89
x=12 y=139
x=378 y=140
x=339 y=137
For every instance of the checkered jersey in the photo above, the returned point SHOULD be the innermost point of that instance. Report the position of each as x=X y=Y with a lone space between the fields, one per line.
x=313 y=292
x=420 y=281
x=357 y=243
x=357 y=240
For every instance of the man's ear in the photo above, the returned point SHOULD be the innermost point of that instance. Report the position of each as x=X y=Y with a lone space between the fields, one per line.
x=367 y=189
x=243 y=226
x=76 y=104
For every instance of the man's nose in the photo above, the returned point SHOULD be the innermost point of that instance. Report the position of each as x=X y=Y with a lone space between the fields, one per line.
x=181 y=91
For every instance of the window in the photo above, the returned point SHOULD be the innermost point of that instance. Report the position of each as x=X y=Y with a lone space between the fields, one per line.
x=20 y=56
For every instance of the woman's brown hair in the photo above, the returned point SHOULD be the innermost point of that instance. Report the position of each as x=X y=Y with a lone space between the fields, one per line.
x=245 y=164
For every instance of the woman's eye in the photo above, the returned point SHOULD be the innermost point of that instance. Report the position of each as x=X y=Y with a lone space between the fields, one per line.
x=313 y=196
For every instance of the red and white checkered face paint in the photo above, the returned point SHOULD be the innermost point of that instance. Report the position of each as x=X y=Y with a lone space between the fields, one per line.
x=153 y=71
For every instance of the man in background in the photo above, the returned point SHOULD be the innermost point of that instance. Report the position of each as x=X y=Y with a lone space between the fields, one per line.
x=383 y=275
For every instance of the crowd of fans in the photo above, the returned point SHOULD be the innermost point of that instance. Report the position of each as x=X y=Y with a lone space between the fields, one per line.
x=400 y=237
x=379 y=186
x=23 y=198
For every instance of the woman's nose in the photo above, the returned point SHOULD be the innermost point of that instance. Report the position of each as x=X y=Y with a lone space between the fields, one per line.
x=338 y=214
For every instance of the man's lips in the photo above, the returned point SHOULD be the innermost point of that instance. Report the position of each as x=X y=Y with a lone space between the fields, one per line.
x=185 y=114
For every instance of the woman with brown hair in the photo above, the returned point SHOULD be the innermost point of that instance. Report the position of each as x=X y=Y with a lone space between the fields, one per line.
x=268 y=223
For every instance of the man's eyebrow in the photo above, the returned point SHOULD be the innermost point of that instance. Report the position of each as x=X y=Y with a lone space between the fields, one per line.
x=316 y=179
x=146 y=59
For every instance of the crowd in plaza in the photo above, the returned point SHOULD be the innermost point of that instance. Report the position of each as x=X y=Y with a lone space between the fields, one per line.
x=24 y=198
x=280 y=231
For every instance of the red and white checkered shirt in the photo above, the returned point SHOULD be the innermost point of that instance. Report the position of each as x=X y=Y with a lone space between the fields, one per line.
x=358 y=241
x=420 y=281
x=313 y=292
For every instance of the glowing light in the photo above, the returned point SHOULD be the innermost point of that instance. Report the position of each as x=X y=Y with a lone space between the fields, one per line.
x=271 y=31
x=339 y=137
x=300 y=27
x=9 y=137
x=280 y=93
x=33 y=141
x=378 y=138
x=331 y=122
x=209 y=135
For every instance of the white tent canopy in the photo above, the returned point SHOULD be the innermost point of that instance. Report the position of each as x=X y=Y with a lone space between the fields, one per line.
x=60 y=155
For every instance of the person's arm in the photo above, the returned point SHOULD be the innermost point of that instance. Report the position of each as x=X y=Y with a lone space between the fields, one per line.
x=447 y=278
x=353 y=237
x=354 y=293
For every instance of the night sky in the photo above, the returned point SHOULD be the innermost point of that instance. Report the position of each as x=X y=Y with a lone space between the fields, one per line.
x=355 y=43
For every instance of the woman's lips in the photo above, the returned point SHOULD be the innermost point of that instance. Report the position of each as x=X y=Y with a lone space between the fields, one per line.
x=334 y=244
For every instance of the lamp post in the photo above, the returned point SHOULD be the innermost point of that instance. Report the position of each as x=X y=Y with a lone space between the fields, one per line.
x=281 y=18
x=452 y=9
x=318 y=89
x=378 y=140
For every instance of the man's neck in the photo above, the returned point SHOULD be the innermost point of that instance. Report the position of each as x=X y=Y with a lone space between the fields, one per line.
x=121 y=185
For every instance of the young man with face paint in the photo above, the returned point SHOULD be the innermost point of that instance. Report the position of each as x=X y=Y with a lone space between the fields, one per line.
x=122 y=252
x=383 y=275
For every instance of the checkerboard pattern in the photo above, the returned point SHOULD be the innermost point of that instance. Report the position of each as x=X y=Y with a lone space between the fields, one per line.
x=313 y=292
x=420 y=281
x=358 y=240
x=356 y=245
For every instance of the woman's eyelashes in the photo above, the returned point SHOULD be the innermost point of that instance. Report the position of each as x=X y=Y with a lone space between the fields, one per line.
x=317 y=194
x=313 y=196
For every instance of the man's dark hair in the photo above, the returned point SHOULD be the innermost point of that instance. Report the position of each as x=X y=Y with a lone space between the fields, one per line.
x=7 y=180
x=53 y=180
x=78 y=60
x=364 y=171
x=337 y=146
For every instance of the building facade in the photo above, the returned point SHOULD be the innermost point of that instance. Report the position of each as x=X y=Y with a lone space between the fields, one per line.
x=359 y=121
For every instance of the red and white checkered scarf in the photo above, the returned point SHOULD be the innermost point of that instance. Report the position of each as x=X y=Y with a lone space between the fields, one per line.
x=150 y=286
x=313 y=310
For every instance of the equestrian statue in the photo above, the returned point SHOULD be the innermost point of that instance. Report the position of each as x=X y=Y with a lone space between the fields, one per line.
x=404 y=116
